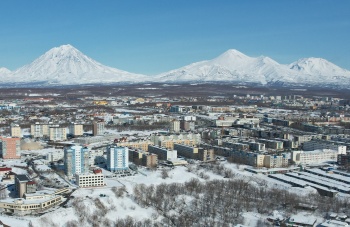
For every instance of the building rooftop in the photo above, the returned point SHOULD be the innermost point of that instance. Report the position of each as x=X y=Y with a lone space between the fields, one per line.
x=22 y=177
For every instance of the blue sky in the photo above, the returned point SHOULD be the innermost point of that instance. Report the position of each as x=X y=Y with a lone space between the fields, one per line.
x=154 y=36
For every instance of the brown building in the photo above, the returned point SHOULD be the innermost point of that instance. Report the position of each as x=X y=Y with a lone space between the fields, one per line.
x=144 y=158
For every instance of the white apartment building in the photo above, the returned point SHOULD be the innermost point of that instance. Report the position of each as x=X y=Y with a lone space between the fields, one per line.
x=16 y=131
x=117 y=158
x=174 y=126
x=275 y=161
x=38 y=130
x=315 y=157
x=90 y=180
x=57 y=133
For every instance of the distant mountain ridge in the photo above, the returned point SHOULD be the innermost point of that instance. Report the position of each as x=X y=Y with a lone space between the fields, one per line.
x=234 y=66
x=65 y=65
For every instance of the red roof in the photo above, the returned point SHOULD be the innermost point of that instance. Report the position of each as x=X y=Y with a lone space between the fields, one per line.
x=97 y=171
x=3 y=169
x=31 y=182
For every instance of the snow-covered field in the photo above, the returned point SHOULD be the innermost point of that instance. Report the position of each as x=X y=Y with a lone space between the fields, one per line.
x=122 y=207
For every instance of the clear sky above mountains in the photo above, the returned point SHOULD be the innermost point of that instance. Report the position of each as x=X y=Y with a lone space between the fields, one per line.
x=151 y=37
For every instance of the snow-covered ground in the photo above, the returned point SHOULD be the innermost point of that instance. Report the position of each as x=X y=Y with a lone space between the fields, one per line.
x=121 y=207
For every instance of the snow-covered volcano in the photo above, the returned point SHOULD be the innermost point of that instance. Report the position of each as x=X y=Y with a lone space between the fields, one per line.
x=67 y=65
x=234 y=66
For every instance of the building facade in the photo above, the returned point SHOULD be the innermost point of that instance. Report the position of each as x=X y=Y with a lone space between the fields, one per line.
x=38 y=130
x=24 y=185
x=57 y=133
x=76 y=129
x=16 y=131
x=98 y=128
x=10 y=148
x=76 y=160
x=117 y=158
x=163 y=153
x=314 y=157
x=90 y=180
x=174 y=126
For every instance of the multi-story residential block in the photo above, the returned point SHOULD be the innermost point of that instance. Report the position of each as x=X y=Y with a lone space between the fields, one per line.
x=15 y=131
x=206 y=155
x=344 y=159
x=272 y=144
x=163 y=153
x=98 y=128
x=143 y=144
x=323 y=144
x=24 y=185
x=276 y=161
x=96 y=179
x=117 y=158
x=168 y=141
x=249 y=158
x=75 y=129
x=140 y=157
x=174 y=126
x=76 y=160
x=38 y=130
x=187 y=125
x=149 y=160
x=57 y=133
x=187 y=151
x=10 y=148
x=316 y=156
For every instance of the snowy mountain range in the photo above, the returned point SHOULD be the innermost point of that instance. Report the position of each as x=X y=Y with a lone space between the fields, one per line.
x=233 y=66
x=65 y=65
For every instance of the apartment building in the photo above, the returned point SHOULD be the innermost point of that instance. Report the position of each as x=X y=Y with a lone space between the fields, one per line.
x=15 y=131
x=10 y=147
x=24 y=185
x=98 y=128
x=344 y=159
x=142 y=144
x=144 y=158
x=276 y=161
x=187 y=151
x=190 y=139
x=323 y=144
x=39 y=130
x=174 y=126
x=316 y=156
x=117 y=158
x=163 y=153
x=76 y=160
x=57 y=133
x=272 y=144
x=75 y=129
x=96 y=179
